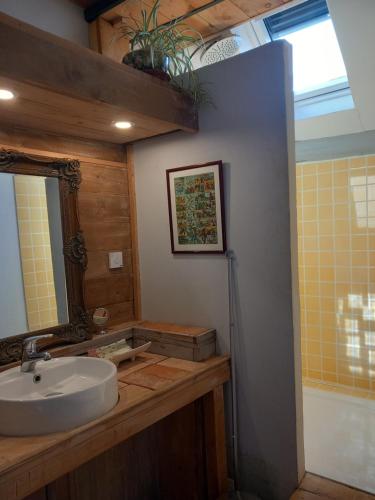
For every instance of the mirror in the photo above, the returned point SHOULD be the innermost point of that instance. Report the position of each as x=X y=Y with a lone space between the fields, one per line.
x=42 y=253
x=32 y=283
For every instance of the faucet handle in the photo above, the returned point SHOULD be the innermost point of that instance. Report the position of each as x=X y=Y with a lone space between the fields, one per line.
x=29 y=344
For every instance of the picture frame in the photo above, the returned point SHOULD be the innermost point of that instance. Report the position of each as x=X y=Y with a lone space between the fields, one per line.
x=196 y=208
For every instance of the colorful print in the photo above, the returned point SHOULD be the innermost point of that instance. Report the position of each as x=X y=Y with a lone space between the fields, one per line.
x=196 y=209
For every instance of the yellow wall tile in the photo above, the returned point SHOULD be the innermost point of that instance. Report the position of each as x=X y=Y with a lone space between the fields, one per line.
x=310 y=213
x=326 y=243
x=309 y=197
x=324 y=196
x=340 y=195
x=341 y=164
x=36 y=257
x=340 y=178
x=312 y=258
x=329 y=335
x=324 y=167
x=309 y=182
x=310 y=228
x=327 y=289
x=324 y=180
x=341 y=211
x=314 y=374
x=313 y=347
x=329 y=349
x=357 y=162
x=312 y=303
x=329 y=377
x=314 y=363
x=329 y=365
x=327 y=258
x=327 y=274
x=336 y=224
x=325 y=212
x=360 y=259
x=359 y=274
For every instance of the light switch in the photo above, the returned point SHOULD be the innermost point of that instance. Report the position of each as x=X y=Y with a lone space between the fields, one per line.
x=115 y=260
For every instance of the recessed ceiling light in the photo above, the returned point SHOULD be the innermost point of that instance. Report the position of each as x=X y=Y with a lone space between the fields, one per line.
x=6 y=95
x=123 y=125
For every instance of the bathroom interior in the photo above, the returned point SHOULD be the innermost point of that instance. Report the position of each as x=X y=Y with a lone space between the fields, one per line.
x=187 y=278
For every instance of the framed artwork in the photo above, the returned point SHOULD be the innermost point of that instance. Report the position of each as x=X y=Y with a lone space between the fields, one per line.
x=196 y=208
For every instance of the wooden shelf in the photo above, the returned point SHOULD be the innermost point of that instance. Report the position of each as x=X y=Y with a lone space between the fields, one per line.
x=64 y=88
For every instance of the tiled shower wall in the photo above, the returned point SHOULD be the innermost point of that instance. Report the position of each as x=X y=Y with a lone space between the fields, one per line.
x=336 y=251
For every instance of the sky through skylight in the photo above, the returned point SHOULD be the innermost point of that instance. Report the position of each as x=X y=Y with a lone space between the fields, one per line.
x=317 y=59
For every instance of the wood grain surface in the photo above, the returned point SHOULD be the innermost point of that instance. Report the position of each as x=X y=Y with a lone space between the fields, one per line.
x=152 y=392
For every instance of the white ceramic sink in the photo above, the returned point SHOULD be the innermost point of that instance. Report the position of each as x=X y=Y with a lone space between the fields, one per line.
x=58 y=395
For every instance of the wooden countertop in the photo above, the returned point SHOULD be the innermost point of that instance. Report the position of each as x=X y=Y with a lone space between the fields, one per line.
x=150 y=388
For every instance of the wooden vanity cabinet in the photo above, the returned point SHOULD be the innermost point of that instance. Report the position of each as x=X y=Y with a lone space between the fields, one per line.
x=174 y=459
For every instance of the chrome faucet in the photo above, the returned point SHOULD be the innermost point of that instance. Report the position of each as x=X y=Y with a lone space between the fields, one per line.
x=30 y=355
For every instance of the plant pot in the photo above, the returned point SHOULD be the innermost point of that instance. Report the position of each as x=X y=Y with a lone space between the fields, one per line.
x=142 y=60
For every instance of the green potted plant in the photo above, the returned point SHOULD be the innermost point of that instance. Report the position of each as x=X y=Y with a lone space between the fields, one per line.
x=160 y=50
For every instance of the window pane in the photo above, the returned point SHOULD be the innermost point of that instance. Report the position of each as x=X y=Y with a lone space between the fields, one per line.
x=317 y=60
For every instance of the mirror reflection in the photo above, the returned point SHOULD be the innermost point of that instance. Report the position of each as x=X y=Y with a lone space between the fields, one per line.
x=32 y=275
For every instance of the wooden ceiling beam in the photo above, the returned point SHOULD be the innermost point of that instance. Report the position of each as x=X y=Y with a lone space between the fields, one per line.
x=207 y=17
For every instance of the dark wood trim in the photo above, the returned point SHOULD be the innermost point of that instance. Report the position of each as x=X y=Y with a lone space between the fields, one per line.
x=67 y=171
x=222 y=207
x=99 y=8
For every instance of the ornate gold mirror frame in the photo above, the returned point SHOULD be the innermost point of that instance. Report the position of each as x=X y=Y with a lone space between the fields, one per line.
x=67 y=171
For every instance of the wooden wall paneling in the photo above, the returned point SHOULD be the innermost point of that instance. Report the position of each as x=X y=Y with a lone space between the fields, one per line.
x=106 y=235
x=134 y=236
x=98 y=264
x=105 y=38
x=105 y=219
x=110 y=206
x=108 y=290
x=121 y=312
x=103 y=179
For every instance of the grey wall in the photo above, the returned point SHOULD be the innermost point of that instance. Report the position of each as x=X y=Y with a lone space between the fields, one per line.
x=12 y=301
x=57 y=247
x=248 y=130
x=60 y=17
x=340 y=146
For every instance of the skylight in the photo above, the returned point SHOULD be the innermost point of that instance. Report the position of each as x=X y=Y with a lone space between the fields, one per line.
x=317 y=59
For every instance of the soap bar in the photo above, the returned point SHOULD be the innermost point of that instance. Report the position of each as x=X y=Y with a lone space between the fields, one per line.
x=109 y=350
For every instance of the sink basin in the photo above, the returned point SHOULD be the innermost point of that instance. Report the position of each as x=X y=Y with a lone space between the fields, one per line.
x=58 y=395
